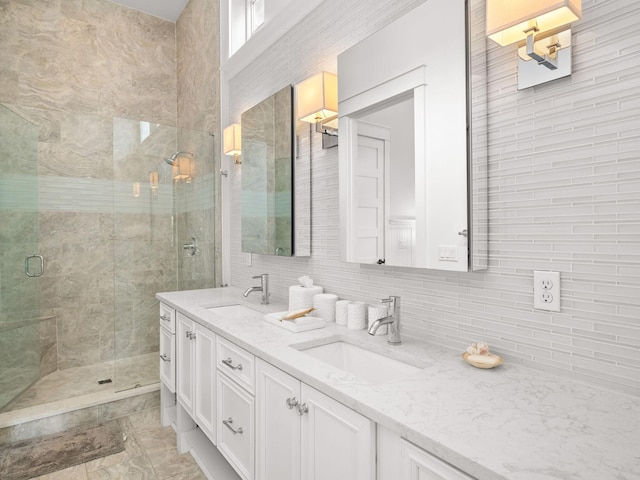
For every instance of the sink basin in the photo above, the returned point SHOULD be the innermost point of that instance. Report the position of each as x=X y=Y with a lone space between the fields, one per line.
x=371 y=367
x=233 y=310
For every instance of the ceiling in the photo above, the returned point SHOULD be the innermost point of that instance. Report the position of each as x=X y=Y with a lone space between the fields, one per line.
x=167 y=9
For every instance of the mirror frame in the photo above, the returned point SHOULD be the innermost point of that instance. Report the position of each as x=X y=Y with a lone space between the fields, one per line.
x=374 y=87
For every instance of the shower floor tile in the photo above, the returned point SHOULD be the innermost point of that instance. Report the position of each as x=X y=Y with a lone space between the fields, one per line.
x=72 y=382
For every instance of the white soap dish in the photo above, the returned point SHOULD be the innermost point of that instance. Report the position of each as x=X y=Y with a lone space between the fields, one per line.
x=301 y=324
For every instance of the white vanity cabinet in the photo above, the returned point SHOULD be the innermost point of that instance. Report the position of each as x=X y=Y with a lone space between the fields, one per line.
x=168 y=347
x=236 y=422
x=418 y=464
x=196 y=375
x=399 y=459
x=302 y=434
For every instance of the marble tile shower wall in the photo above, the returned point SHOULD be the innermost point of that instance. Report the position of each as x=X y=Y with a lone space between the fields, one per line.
x=70 y=67
x=564 y=172
x=198 y=85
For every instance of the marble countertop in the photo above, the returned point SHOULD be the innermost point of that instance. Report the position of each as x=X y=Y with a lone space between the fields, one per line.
x=508 y=423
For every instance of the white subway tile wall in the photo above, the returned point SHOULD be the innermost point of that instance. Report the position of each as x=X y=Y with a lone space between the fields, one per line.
x=564 y=195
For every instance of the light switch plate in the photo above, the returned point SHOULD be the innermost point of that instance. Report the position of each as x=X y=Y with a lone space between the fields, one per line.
x=546 y=291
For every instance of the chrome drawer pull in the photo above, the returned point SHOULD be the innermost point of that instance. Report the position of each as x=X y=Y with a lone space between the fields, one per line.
x=165 y=318
x=292 y=403
x=229 y=363
x=228 y=423
x=165 y=358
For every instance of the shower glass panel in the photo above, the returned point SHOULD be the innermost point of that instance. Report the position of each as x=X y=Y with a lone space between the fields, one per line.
x=163 y=204
x=20 y=322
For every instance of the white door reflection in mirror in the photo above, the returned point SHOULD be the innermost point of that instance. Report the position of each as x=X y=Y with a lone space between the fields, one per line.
x=370 y=198
x=404 y=65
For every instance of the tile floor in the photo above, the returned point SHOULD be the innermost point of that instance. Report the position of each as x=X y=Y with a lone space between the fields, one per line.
x=150 y=453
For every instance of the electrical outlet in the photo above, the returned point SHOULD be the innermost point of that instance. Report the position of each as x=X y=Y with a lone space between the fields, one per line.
x=247 y=259
x=546 y=291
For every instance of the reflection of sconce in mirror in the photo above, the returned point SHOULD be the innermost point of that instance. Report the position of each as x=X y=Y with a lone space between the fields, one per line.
x=317 y=102
x=545 y=54
x=232 y=136
x=182 y=167
x=153 y=181
x=136 y=189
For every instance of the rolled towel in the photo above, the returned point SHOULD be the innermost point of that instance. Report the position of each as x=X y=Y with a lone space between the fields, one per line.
x=325 y=305
x=356 y=315
x=302 y=297
x=341 y=312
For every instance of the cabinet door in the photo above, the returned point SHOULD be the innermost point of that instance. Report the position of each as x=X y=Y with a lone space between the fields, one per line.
x=236 y=426
x=184 y=362
x=336 y=442
x=277 y=424
x=418 y=464
x=167 y=359
x=205 y=381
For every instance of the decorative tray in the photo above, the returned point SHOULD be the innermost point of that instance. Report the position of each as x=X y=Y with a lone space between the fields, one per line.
x=300 y=324
x=491 y=362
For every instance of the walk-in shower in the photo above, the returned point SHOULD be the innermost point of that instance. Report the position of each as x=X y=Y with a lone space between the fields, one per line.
x=109 y=241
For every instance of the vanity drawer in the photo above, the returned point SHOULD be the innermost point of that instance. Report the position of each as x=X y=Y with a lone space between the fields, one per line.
x=236 y=426
x=168 y=318
x=167 y=359
x=237 y=363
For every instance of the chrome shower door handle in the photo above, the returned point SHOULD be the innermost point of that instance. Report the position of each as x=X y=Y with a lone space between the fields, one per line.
x=27 y=271
x=191 y=248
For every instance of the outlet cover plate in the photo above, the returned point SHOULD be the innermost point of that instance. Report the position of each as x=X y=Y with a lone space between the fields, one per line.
x=546 y=291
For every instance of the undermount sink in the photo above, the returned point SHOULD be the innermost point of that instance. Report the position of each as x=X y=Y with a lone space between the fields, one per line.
x=236 y=310
x=371 y=367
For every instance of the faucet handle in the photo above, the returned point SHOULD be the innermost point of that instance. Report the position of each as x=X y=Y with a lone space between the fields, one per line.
x=255 y=277
x=393 y=302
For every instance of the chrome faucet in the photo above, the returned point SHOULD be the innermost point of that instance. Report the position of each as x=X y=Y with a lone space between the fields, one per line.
x=264 y=288
x=392 y=320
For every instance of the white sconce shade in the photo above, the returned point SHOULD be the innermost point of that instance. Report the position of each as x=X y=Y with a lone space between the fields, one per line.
x=136 y=189
x=508 y=21
x=317 y=97
x=232 y=141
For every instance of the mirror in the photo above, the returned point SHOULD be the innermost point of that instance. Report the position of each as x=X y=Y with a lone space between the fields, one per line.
x=404 y=143
x=267 y=176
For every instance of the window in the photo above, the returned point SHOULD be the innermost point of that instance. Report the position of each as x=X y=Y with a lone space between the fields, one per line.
x=257 y=14
x=245 y=18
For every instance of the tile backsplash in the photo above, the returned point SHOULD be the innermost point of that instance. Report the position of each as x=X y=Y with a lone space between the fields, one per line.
x=564 y=177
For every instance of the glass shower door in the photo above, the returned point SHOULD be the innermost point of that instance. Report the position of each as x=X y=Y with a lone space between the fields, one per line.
x=164 y=234
x=20 y=263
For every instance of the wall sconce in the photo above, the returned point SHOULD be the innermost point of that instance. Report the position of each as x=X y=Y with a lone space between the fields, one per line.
x=317 y=102
x=545 y=52
x=232 y=139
